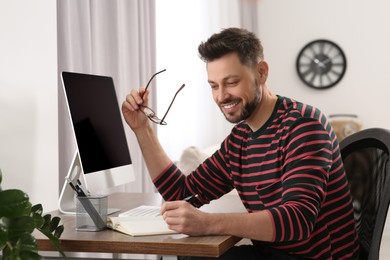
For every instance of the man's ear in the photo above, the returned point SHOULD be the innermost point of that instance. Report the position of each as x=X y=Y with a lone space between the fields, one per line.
x=262 y=69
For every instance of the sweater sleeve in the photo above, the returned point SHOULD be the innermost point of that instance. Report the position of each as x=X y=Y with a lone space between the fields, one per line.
x=210 y=180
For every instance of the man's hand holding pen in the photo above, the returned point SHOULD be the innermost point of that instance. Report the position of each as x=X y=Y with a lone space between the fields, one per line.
x=184 y=218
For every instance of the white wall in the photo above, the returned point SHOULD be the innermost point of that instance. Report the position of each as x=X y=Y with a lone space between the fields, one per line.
x=361 y=28
x=28 y=99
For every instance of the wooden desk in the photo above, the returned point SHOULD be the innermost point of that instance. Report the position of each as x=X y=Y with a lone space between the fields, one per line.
x=109 y=241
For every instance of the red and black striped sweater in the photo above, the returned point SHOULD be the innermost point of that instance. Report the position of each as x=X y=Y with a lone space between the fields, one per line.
x=291 y=167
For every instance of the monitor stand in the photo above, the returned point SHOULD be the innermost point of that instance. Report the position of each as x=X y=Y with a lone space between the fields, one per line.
x=67 y=200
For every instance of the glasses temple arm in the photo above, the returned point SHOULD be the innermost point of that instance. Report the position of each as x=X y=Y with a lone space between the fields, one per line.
x=177 y=92
x=150 y=80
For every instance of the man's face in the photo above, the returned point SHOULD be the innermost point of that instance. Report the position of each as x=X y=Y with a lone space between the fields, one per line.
x=234 y=87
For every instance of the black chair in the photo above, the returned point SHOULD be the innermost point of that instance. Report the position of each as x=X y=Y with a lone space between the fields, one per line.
x=366 y=160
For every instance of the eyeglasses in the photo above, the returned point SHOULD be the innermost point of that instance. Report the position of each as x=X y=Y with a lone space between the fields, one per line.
x=149 y=112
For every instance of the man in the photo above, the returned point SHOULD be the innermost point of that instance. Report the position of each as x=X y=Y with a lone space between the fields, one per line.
x=282 y=156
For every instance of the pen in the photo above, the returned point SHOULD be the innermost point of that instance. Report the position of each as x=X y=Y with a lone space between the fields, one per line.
x=189 y=198
x=80 y=185
x=76 y=188
x=80 y=191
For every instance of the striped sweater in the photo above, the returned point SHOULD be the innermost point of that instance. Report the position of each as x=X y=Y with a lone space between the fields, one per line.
x=291 y=167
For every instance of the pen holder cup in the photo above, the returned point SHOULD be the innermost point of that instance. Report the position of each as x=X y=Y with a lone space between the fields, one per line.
x=91 y=213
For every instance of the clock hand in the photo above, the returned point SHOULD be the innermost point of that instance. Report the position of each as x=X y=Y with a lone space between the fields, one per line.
x=320 y=63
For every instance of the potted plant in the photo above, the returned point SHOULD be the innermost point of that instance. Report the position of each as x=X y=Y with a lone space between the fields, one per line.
x=18 y=219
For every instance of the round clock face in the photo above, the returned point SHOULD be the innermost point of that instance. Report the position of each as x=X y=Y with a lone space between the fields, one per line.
x=321 y=64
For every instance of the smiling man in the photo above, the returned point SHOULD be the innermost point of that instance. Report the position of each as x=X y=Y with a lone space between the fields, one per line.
x=282 y=156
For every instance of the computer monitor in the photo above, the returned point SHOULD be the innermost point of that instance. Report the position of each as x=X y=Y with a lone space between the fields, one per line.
x=102 y=159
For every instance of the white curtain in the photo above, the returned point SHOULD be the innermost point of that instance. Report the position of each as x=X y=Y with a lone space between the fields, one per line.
x=106 y=37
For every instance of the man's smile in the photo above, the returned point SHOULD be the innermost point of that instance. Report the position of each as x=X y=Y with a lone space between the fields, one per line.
x=230 y=105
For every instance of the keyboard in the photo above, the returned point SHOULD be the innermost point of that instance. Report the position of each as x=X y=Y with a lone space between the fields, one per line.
x=141 y=211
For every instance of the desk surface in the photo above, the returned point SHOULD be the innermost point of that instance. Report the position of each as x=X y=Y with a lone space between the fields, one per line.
x=108 y=241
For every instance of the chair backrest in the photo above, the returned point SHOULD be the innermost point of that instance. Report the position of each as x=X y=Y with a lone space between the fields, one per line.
x=366 y=160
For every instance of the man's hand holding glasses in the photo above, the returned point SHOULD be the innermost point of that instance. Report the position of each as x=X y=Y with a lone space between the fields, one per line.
x=135 y=100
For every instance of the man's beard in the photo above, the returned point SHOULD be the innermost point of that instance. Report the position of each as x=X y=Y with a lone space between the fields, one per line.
x=249 y=108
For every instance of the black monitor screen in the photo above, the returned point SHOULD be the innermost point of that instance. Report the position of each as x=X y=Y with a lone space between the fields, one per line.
x=96 y=121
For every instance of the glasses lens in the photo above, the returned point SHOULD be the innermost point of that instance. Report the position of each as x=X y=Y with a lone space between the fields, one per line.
x=157 y=120
x=152 y=115
x=148 y=111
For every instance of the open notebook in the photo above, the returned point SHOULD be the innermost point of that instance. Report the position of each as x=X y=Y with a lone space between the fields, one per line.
x=140 y=221
x=139 y=226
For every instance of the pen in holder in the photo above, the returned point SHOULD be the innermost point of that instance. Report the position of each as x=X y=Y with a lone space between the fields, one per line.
x=91 y=213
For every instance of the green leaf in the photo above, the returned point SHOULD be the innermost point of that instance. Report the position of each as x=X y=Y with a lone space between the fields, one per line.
x=58 y=231
x=38 y=220
x=54 y=223
x=47 y=219
x=4 y=223
x=14 y=203
x=37 y=209
x=24 y=248
x=51 y=230
x=20 y=226
x=27 y=243
x=36 y=214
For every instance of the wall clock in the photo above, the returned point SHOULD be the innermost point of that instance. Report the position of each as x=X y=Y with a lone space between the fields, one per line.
x=321 y=64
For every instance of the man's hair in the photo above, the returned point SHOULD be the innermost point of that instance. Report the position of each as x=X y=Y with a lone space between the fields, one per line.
x=232 y=40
